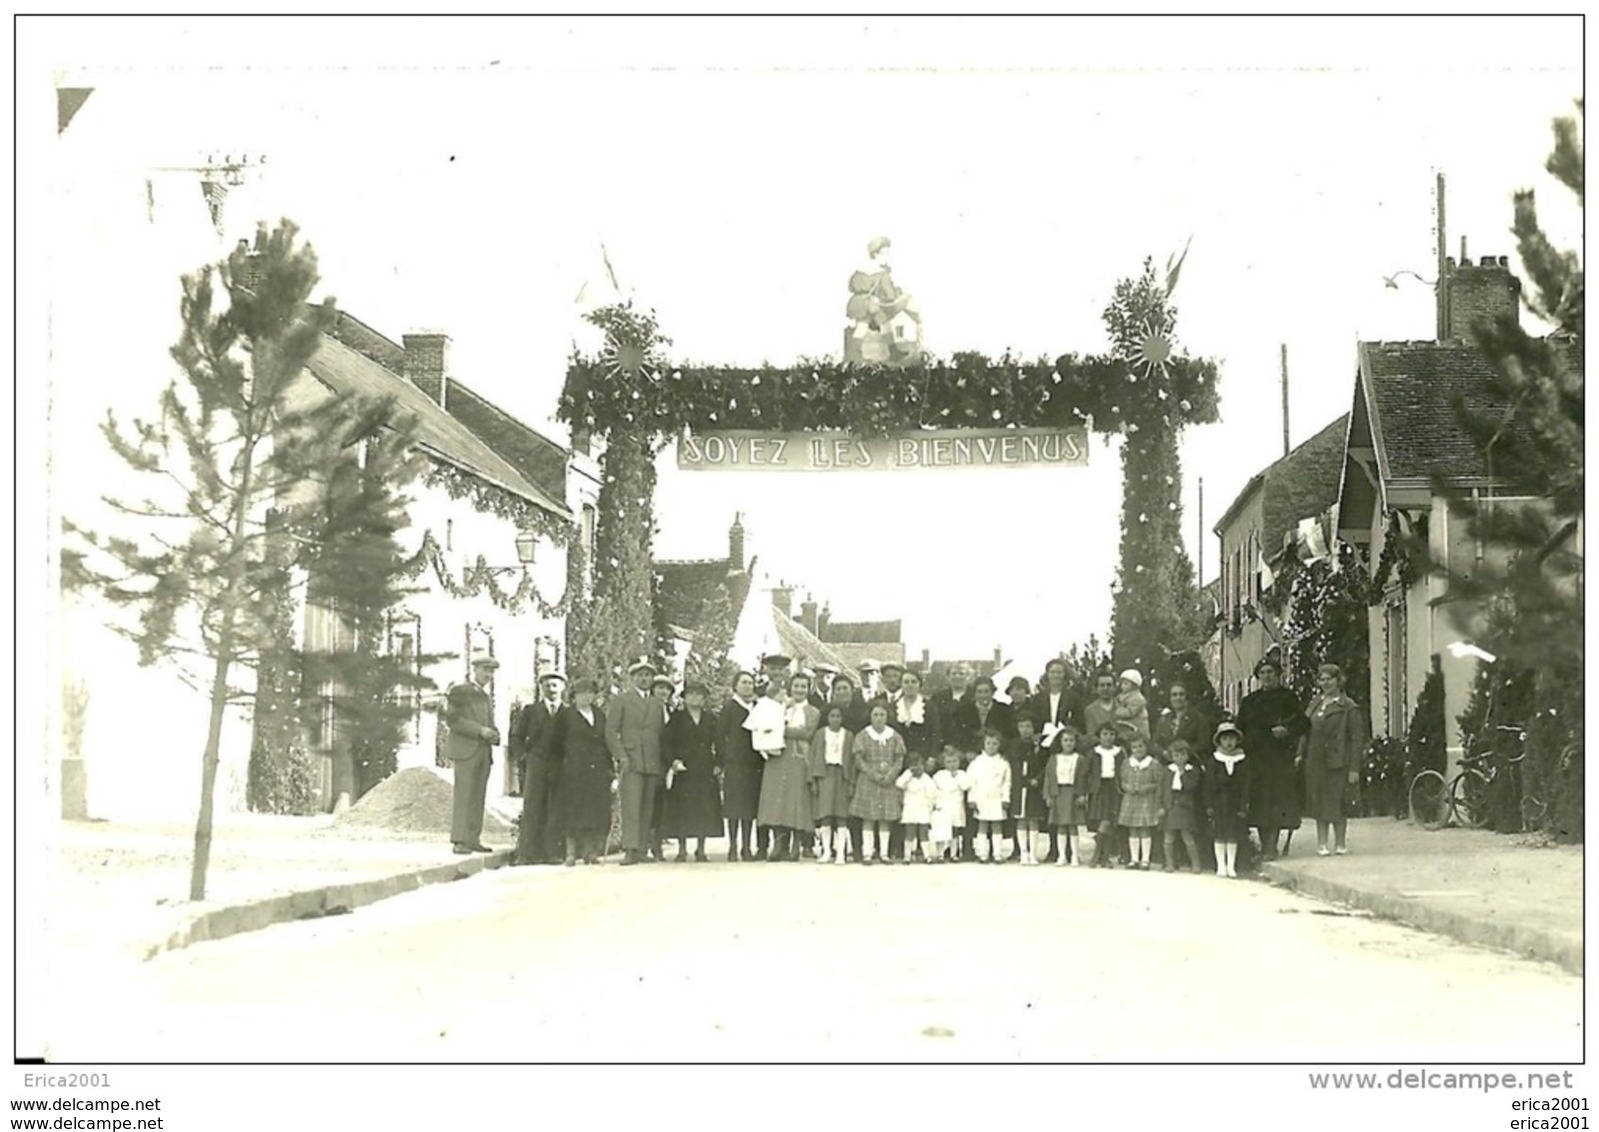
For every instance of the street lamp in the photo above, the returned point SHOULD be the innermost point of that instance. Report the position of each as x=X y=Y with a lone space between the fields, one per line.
x=1392 y=281
x=526 y=545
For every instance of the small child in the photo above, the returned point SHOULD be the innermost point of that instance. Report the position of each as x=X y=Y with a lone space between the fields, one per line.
x=948 y=827
x=1065 y=792
x=1104 y=802
x=916 y=813
x=879 y=755
x=1227 y=795
x=830 y=775
x=1140 y=808
x=989 y=793
x=1026 y=796
x=766 y=721
x=1179 y=800
x=1131 y=711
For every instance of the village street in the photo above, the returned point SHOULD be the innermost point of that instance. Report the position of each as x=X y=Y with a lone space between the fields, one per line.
x=773 y=962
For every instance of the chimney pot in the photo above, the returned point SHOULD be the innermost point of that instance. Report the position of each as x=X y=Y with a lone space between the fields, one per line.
x=427 y=363
x=1490 y=261
x=808 y=616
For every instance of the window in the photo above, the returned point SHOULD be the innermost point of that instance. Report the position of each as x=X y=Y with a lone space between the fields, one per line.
x=1398 y=693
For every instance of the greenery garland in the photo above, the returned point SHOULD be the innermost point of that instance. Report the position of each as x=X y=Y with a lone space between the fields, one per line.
x=1142 y=390
x=493 y=500
x=479 y=578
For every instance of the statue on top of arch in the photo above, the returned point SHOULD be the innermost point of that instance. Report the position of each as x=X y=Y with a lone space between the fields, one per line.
x=885 y=325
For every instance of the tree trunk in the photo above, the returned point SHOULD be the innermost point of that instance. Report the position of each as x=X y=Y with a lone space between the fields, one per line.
x=208 y=764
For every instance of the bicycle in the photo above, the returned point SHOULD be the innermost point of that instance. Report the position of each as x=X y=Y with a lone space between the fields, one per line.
x=1465 y=799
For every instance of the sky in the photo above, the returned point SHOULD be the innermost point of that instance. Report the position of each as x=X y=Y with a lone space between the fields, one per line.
x=462 y=175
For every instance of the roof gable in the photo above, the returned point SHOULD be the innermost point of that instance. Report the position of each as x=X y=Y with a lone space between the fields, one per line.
x=1411 y=390
x=347 y=371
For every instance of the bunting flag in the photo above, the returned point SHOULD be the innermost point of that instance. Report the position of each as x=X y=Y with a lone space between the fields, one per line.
x=1267 y=578
x=1312 y=542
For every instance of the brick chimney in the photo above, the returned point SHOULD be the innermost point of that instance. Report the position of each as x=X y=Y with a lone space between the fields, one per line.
x=735 y=542
x=427 y=362
x=783 y=600
x=808 y=615
x=251 y=262
x=822 y=619
x=1480 y=292
x=999 y=658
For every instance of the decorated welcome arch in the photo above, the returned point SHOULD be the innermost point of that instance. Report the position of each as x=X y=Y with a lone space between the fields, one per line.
x=635 y=400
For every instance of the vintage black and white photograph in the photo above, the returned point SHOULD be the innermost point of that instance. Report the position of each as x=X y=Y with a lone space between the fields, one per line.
x=779 y=540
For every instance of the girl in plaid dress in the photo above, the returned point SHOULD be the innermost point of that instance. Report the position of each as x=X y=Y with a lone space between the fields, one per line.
x=879 y=754
x=1104 y=797
x=1140 y=807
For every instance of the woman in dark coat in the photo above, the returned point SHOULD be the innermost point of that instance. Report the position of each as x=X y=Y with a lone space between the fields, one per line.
x=1273 y=722
x=741 y=770
x=1334 y=749
x=693 y=806
x=582 y=799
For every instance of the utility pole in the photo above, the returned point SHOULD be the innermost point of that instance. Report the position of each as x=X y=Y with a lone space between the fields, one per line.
x=1443 y=267
x=1285 y=397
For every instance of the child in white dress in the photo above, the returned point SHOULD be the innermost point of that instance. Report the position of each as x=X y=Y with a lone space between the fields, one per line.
x=949 y=810
x=766 y=721
x=916 y=810
x=989 y=794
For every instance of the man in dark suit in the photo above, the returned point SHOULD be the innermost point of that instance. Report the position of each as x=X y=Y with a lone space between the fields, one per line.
x=1055 y=705
x=634 y=720
x=530 y=733
x=469 y=715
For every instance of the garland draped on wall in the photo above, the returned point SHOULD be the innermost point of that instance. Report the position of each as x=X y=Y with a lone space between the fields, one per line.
x=479 y=579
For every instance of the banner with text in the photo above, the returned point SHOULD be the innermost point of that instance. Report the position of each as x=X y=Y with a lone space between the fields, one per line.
x=751 y=451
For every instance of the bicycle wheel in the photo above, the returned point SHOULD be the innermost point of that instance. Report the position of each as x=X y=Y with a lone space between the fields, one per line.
x=1468 y=798
x=1429 y=800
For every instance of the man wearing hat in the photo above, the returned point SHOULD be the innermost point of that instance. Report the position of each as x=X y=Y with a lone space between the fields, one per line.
x=822 y=677
x=634 y=721
x=469 y=715
x=530 y=734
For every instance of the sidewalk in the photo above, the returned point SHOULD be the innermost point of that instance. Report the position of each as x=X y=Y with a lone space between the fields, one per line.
x=121 y=891
x=1478 y=887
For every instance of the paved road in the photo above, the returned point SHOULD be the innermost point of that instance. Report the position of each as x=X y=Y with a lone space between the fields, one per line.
x=806 y=962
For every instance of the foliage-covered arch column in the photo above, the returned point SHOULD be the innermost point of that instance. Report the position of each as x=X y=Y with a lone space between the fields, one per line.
x=1142 y=389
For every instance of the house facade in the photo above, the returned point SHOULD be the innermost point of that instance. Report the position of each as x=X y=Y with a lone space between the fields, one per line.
x=1254 y=534
x=1404 y=432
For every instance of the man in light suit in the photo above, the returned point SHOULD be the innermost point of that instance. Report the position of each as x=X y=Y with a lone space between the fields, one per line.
x=634 y=720
x=469 y=715
x=529 y=743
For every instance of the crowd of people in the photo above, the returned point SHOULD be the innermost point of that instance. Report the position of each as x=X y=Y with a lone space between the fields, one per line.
x=792 y=767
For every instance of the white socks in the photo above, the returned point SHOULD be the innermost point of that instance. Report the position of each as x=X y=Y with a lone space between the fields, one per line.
x=1227 y=859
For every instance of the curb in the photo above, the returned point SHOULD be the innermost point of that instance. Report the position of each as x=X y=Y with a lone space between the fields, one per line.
x=311 y=903
x=1529 y=943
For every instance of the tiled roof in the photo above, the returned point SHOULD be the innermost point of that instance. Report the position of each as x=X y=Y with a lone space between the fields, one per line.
x=859 y=652
x=801 y=644
x=346 y=370
x=539 y=459
x=1303 y=483
x=860 y=632
x=1411 y=388
x=364 y=340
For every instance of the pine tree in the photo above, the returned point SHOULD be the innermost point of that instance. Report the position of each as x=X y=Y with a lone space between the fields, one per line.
x=352 y=558
x=1525 y=604
x=233 y=442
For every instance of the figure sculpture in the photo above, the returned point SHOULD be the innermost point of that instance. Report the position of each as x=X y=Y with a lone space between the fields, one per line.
x=885 y=325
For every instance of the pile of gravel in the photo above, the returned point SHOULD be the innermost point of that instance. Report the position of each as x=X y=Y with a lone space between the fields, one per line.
x=414 y=800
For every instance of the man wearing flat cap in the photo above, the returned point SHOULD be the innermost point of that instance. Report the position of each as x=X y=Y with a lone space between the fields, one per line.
x=469 y=715
x=530 y=735
x=634 y=721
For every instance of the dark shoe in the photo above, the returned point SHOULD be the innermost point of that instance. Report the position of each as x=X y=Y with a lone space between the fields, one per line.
x=482 y=848
x=744 y=854
x=570 y=862
x=759 y=855
x=630 y=858
x=591 y=860
x=699 y=855
x=680 y=858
